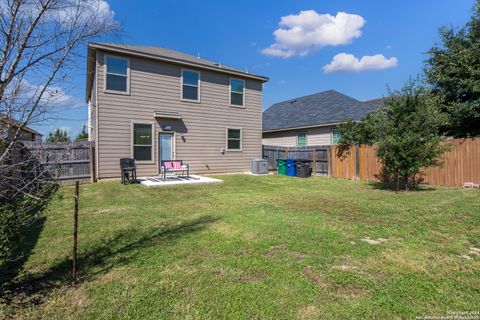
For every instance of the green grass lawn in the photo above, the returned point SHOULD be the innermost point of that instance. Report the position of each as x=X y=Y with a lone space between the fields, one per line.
x=254 y=247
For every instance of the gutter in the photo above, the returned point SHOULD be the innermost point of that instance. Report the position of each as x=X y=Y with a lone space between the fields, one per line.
x=303 y=127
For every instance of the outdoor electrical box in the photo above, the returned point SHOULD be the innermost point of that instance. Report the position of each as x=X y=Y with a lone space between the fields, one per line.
x=259 y=166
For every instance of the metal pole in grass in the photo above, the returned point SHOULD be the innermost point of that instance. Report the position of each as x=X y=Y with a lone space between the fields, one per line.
x=75 y=232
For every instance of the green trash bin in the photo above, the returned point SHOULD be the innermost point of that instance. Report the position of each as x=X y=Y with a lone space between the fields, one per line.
x=281 y=167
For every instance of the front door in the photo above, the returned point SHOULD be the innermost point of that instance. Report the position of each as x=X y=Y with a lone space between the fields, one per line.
x=165 y=147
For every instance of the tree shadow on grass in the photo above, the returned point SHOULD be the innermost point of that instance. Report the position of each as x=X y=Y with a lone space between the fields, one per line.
x=109 y=253
x=27 y=242
x=26 y=238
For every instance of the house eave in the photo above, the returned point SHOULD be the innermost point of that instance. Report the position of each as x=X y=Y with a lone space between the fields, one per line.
x=303 y=127
x=133 y=53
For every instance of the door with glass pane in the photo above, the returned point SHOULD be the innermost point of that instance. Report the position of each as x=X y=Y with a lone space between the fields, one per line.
x=165 y=147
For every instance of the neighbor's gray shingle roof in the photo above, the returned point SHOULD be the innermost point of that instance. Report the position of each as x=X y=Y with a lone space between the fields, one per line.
x=316 y=109
x=180 y=57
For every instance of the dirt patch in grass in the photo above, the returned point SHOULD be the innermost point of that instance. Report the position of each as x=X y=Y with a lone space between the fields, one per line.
x=298 y=256
x=345 y=267
x=373 y=241
x=475 y=251
x=67 y=300
x=257 y=277
x=110 y=210
x=313 y=276
x=349 y=291
x=308 y=312
x=229 y=230
x=346 y=290
x=275 y=250
x=74 y=296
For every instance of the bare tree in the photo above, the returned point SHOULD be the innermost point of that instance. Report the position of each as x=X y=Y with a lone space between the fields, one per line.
x=40 y=41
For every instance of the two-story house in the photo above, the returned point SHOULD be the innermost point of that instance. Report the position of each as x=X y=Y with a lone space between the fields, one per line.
x=152 y=104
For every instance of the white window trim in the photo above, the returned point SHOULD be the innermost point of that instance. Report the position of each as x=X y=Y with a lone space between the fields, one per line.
x=105 y=69
x=230 y=93
x=226 y=140
x=306 y=139
x=198 y=86
x=331 y=135
x=132 y=140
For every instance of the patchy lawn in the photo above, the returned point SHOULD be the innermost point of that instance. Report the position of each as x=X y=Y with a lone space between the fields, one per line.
x=254 y=248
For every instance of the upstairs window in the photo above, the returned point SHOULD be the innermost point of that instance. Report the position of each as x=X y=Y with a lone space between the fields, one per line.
x=237 y=92
x=335 y=136
x=117 y=74
x=234 y=139
x=142 y=141
x=301 y=139
x=190 y=85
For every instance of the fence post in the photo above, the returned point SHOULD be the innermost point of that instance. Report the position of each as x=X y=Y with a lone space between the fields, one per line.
x=75 y=231
x=357 y=162
x=329 y=161
x=314 y=158
x=93 y=166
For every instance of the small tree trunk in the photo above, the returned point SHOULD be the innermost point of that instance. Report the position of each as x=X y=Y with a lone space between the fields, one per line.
x=75 y=233
x=398 y=181
x=405 y=182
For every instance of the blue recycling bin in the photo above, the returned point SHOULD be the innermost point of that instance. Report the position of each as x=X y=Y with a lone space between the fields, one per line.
x=291 y=167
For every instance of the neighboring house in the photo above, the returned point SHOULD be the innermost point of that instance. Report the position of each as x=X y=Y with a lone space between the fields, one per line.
x=311 y=120
x=152 y=104
x=10 y=126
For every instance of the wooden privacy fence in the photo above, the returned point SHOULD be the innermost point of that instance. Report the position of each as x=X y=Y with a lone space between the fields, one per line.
x=68 y=162
x=461 y=164
x=320 y=155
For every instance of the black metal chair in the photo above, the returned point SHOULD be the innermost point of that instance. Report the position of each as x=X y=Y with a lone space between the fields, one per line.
x=128 y=170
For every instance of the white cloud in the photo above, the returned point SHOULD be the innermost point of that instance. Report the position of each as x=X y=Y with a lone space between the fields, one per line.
x=71 y=10
x=300 y=34
x=348 y=62
x=54 y=97
x=57 y=97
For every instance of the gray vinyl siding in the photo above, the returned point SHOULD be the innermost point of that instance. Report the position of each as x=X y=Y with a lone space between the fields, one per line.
x=200 y=134
x=315 y=136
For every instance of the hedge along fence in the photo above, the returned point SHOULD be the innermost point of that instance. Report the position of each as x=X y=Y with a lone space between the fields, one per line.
x=461 y=164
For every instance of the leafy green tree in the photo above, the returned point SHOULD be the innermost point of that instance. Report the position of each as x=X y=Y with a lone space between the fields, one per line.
x=58 y=136
x=83 y=135
x=453 y=71
x=406 y=133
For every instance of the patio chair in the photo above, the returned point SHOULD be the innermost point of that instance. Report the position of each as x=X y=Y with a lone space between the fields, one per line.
x=128 y=170
x=174 y=166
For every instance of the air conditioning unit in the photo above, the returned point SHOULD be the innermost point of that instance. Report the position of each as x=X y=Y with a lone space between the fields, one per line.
x=259 y=166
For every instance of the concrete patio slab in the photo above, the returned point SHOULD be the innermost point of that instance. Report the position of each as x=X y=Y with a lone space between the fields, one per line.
x=158 y=181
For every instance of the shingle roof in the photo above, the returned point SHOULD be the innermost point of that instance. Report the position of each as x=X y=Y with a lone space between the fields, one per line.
x=328 y=107
x=163 y=53
x=16 y=124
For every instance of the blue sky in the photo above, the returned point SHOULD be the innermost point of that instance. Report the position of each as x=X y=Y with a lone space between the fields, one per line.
x=236 y=34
